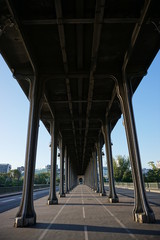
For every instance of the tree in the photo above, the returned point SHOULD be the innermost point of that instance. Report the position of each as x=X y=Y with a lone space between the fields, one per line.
x=151 y=164
x=42 y=178
x=122 y=170
x=153 y=174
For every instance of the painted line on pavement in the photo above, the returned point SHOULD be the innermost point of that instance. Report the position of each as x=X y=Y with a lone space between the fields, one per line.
x=116 y=219
x=85 y=233
x=54 y=219
x=84 y=216
x=9 y=200
x=83 y=213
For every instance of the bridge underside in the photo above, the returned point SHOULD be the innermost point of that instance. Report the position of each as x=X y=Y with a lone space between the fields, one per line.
x=79 y=63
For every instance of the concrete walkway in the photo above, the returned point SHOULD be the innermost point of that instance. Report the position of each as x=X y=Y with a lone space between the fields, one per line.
x=82 y=214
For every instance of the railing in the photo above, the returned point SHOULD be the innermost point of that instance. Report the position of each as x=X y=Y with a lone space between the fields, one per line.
x=148 y=186
x=4 y=190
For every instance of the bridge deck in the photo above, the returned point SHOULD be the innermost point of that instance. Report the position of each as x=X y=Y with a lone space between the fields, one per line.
x=82 y=214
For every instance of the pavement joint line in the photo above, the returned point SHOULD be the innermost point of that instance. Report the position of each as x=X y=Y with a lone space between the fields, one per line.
x=116 y=219
x=54 y=219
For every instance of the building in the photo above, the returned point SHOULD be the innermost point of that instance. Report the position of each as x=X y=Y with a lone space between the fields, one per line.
x=20 y=169
x=5 y=168
x=105 y=173
x=48 y=167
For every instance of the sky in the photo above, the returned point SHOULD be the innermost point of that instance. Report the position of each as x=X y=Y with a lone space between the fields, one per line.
x=14 y=111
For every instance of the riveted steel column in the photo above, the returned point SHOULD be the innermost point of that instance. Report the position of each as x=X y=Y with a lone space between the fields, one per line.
x=52 y=195
x=71 y=177
x=112 y=197
x=26 y=214
x=142 y=211
x=66 y=170
x=95 y=171
x=99 y=153
x=68 y=174
x=62 y=148
x=90 y=174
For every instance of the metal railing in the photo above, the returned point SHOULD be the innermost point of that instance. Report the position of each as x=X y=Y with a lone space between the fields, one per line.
x=148 y=186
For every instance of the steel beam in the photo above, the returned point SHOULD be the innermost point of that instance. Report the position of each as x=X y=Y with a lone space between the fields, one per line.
x=78 y=21
x=99 y=12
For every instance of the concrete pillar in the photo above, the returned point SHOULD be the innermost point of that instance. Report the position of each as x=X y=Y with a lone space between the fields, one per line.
x=26 y=214
x=66 y=170
x=95 y=171
x=62 y=148
x=142 y=211
x=112 y=196
x=99 y=153
x=52 y=195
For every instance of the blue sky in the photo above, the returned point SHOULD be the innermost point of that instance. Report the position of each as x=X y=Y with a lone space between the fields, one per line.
x=14 y=109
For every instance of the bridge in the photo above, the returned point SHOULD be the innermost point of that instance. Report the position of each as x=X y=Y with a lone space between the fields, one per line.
x=79 y=63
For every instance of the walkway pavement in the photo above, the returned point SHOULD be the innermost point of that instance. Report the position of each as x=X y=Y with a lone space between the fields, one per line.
x=82 y=214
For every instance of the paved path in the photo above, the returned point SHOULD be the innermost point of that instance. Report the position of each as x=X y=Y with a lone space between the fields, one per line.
x=82 y=214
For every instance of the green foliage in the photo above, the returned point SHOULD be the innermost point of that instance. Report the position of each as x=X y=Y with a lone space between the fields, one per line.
x=151 y=164
x=42 y=178
x=57 y=180
x=153 y=174
x=16 y=174
x=122 y=170
x=13 y=178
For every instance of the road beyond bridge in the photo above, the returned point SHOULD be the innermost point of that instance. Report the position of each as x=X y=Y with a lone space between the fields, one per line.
x=79 y=63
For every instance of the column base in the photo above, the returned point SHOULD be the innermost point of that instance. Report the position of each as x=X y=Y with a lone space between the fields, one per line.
x=102 y=194
x=61 y=195
x=53 y=202
x=24 y=222
x=113 y=200
x=143 y=218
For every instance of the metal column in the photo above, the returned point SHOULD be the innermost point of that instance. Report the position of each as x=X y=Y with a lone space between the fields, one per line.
x=142 y=211
x=52 y=195
x=99 y=153
x=66 y=170
x=62 y=148
x=95 y=170
x=68 y=174
x=26 y=214
x=112 y=197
